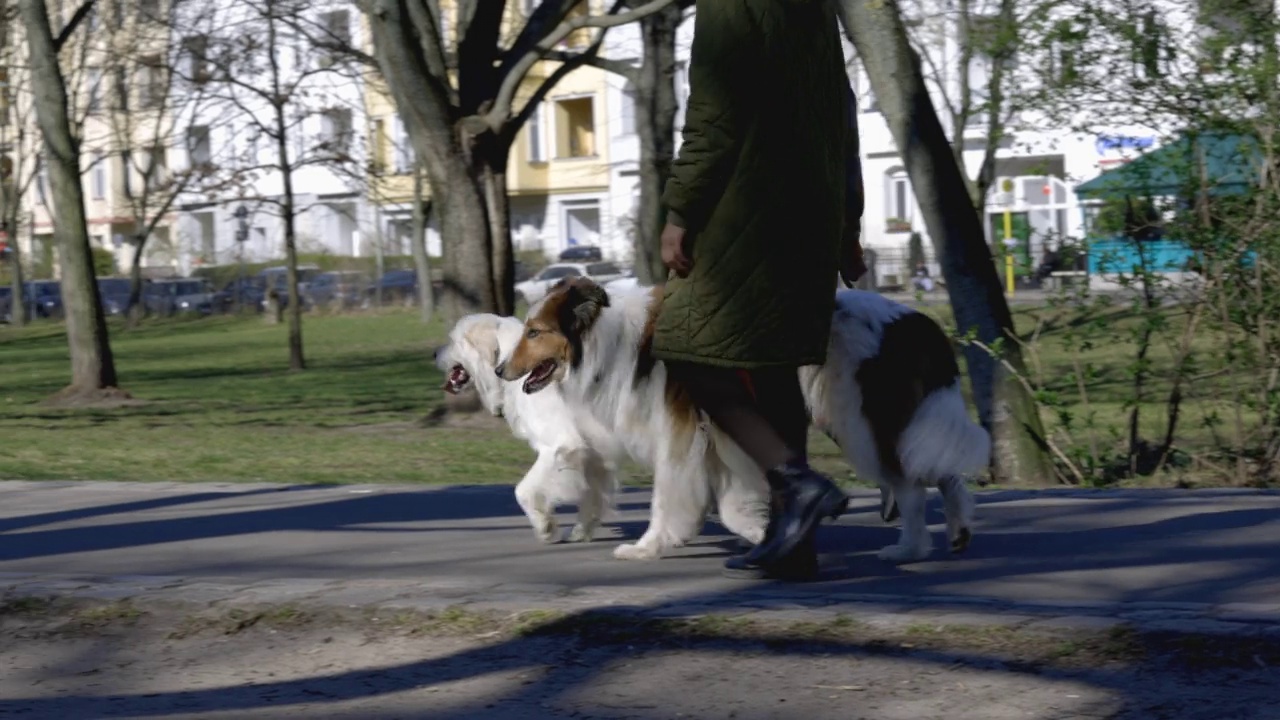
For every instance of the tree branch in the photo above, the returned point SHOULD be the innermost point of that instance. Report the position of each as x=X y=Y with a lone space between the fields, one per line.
x=502 y=104
x=618 y=67
x=81 y=13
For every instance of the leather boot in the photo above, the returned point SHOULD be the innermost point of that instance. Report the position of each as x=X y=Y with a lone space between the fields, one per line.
x=806 y=498
x=800 y=566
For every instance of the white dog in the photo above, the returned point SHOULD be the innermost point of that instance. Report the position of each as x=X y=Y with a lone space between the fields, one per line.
x=597 y=349
x=575 y=454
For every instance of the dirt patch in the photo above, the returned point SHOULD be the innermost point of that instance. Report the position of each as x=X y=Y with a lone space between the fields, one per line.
x=108 y=398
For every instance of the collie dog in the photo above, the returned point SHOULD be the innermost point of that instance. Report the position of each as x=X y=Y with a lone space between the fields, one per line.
x=576 y=456
x=888 y=395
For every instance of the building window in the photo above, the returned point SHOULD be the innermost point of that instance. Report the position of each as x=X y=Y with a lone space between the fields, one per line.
x=378 y=147
x=575 y=128
x=98 y=177
x=94 y=79
x=533 y=130
x=196 y=49
x=42 y=181
x=899 y=201
x=158 y=165
x=122 y=89
x=337 y=27
x=627 y=110
x=405 y=159
x=151 y=82
x=251 y=144
x=335 y=130
x=4 y=96
x=199 y=146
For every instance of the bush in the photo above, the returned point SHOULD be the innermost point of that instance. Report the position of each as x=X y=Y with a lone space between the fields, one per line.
x=104 y=262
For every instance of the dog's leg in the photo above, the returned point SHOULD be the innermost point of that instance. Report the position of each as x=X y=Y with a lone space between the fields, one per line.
x=959 y=506
x=531 y=494
x=680 y=495
x=914 y=541
x=596 y=498
x=744 y=505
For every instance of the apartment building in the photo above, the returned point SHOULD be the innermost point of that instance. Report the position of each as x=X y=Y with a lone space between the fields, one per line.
x=233 y=132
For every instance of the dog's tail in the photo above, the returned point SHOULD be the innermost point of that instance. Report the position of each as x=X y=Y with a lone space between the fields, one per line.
x=942 y=440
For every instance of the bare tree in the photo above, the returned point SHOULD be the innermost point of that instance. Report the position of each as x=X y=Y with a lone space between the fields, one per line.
x=92 y=365
x=651 y=78
x=263 y=65
x=456 y=85
x=20 y=165
x=894 y=69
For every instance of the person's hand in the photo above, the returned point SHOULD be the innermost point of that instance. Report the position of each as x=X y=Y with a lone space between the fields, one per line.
x=673 y=250
x=852 y=266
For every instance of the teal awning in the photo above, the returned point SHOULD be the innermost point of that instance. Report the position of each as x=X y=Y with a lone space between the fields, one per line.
x=1230 y=161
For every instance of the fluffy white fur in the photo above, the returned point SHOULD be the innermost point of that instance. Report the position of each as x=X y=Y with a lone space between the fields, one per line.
x=687 y=476
x=575 y=454
x=939 y=445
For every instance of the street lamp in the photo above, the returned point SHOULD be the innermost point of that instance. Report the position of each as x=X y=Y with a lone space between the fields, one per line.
x=242 y=236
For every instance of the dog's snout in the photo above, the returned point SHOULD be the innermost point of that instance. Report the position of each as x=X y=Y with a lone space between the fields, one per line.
x=500 y=370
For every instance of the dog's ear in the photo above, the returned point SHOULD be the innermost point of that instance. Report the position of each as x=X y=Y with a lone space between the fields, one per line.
x=483 y=337
x=584 y=302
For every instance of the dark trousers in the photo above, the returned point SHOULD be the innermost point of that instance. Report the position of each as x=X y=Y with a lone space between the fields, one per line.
x=762 y=410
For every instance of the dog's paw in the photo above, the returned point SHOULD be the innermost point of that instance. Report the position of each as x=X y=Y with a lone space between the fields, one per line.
x=900 y=554
x=581 y=534
x=547 y=531
x=634 y=551
x=960 y=538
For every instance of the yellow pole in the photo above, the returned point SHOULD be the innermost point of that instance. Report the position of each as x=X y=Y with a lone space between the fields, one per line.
x=1008 y=251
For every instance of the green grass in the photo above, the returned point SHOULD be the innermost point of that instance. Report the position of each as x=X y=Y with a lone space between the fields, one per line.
x=217 y=403
x=220 y=404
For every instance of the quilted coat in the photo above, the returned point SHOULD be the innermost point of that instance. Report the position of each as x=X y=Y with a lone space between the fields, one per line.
x=759 y=185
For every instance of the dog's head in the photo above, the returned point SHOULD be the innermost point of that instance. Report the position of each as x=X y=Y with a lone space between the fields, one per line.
x=469 y=358
x=553 y=332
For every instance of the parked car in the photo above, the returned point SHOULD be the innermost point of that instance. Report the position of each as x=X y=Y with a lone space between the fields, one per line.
x=44 y=298
x=245 y=292
x=114 y=293
x=581 y=253
x=277 y=278
x=184 y=295
x=397 y=286
x=535 y=288
x=338 y=289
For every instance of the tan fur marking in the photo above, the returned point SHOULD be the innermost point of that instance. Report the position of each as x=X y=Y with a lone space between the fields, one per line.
x=547 y=343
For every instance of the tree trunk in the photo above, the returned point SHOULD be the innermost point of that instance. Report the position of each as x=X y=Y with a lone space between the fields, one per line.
x=655 y=93
x=18 y=302
x=464 y=229
x=418 y=245
x=493 y=181
x=92 y=365
x=1018 y=452
x=136 y=309
x=296 y=359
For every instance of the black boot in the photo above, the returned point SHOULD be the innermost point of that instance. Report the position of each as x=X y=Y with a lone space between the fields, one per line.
x=806 y=498
x=800 y=566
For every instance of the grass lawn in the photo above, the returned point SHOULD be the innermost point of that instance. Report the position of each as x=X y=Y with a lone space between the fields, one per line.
x=217 y=403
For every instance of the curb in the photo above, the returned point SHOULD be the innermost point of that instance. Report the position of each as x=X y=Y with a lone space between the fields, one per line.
x=765 y=604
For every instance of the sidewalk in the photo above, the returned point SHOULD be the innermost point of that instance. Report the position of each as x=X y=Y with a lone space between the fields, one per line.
x=1178 y=556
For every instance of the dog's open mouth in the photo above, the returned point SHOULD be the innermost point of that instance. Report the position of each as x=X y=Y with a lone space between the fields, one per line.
x=540 y=376
x=457 y=381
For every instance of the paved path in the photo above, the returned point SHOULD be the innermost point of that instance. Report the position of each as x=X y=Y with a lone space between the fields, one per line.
x=1171 y=554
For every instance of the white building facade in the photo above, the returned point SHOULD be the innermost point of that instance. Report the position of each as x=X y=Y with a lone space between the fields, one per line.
x=233 y=132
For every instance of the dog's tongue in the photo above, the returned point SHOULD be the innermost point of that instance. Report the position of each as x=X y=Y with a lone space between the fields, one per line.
x=457 y=376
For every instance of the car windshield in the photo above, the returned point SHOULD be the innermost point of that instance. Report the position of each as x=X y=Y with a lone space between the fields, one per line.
x=398 y=276
x=113 y=285
x=604 y=268
x=189 y=287
x=556 y=272
x=46 y=289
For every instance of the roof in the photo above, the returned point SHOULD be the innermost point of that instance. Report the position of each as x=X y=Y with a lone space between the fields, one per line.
x=1230 y=160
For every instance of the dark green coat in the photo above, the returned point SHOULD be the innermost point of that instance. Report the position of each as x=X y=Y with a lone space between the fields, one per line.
x=759 y=185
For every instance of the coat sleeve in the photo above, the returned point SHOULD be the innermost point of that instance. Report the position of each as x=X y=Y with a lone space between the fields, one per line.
x=722 y=39
x=855 y=203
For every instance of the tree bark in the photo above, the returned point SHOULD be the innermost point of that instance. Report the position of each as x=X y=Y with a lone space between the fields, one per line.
x=1004 y=408
x=136 y=309
x=18 y=302
x=418 y=246
x=655 y=93
x=92 y=364
x=296 y=359
x=492 y=155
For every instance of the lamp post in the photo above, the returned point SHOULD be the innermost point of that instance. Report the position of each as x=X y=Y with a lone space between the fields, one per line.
x=242 y=236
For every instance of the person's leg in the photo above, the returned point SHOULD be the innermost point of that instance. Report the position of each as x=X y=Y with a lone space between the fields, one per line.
x=776 y=443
